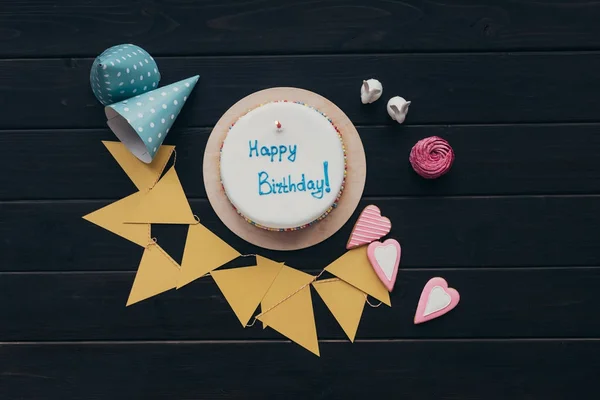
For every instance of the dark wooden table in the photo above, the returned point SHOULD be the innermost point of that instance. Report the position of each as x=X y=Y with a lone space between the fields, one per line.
x=513 y=85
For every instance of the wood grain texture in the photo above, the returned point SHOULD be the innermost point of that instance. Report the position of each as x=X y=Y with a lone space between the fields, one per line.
x=490 y=370
x=91 y=306
x=54 y=28
x=434 y=232
x=491 y=160
x=444 y=88
x=513 y=85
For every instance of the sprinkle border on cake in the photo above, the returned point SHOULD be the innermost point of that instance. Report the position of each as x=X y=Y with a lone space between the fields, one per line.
x=337 y=198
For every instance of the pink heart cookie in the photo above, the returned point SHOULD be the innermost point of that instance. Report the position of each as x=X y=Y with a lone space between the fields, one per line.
x=385 y=258
x=436 y=300
x=369 y=227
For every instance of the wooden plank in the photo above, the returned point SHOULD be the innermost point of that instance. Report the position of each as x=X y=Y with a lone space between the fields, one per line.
x=496 y=370
x=436 y=232
x=444 y=88
x=524 y=159
x=54 y=28
x=495 y=303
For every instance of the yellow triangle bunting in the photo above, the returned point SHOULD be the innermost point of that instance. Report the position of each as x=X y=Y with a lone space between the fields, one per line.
x=354 y=268
x=165 y=203
x=345 y=302
x=204 y=251
x=112 y=218
x=287 y=308
x=143 y=176
x=245 y=287
x=156 y=274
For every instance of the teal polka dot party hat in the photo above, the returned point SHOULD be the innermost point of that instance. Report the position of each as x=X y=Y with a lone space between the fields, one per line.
x=121 y=72
x=143 y=121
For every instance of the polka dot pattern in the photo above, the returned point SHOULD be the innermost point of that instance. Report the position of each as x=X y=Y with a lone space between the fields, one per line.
x=152 y=114
x=111 y=75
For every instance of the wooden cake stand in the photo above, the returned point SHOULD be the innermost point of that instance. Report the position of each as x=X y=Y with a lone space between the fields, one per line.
x=293 y=240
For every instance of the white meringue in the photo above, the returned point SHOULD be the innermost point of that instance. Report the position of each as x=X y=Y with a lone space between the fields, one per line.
x=397 y=108
x=370 y=91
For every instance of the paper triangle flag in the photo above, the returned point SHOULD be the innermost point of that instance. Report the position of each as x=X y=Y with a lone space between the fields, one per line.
x=245 y=287
x=165 y=203
x=204 y=251
x=143 y=176
x=143 y=122
x=112 y=216
x=345 y=302
x=121 y=72
x=354 y=267
x=156 y=274
x=294 y=317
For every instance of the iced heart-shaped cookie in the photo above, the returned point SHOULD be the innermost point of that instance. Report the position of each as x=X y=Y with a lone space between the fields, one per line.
x=369 y=227
x=436 y=300
x=385 y=258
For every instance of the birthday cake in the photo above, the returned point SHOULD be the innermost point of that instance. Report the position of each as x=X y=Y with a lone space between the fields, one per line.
x=283 y=165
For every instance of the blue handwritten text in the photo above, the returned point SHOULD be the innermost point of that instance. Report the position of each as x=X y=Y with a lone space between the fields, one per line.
x=275 y=153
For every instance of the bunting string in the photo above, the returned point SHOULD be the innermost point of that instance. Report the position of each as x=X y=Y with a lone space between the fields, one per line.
x=155 y=275
x=372 y=305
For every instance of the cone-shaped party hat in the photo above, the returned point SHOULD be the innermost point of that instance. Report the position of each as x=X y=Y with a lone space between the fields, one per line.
x=142 y=122
x=122 y=72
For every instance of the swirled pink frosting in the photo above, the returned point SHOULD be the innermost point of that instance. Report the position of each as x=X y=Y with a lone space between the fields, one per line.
x=431 y=157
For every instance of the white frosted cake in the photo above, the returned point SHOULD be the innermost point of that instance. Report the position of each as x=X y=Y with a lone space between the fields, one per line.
x=283 y=165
